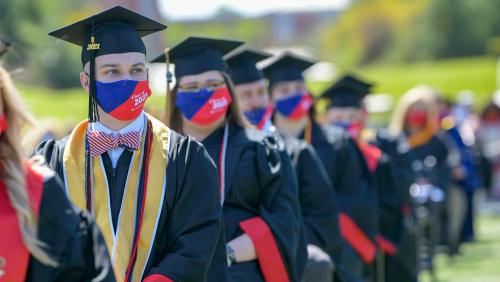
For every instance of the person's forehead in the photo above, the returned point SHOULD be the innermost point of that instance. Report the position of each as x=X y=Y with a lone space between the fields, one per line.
x=343 y=110
x=129 y=58
x=201 y=77
x=289 y=83
x=251 y=85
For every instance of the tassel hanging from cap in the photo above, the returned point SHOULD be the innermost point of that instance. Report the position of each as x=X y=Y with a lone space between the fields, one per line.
x=169 y=78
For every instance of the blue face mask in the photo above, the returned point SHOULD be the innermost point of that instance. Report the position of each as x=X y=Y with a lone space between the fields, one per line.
x=204 y=106
x=295 y=106
x=122 y=99
x=259 y=117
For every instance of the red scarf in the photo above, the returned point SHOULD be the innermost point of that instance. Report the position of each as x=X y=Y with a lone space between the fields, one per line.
x=13 y=252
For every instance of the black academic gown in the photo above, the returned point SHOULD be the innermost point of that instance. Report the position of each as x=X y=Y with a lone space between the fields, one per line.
x=190 y=222
x=430 y=161
x=342 y=161
x=256 y=188
x=318 y=200
x=433 y=163
x=403 y=266
x=390 y=216
x=70 y=238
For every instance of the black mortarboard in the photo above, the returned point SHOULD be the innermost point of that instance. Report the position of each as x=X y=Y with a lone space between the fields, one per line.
x=348 y=91
x=197 y=54
x=116 y=30
x=287 y=67
x=242 y=64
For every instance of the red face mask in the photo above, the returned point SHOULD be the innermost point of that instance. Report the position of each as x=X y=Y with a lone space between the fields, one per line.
x=416 y=119
x=3 y=123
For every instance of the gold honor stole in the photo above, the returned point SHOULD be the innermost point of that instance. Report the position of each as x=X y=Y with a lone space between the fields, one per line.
x=119 y=244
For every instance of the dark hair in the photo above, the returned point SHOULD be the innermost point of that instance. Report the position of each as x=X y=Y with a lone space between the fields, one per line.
x=173 y=117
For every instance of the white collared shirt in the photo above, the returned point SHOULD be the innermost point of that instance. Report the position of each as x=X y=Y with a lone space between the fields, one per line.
x=136 y=125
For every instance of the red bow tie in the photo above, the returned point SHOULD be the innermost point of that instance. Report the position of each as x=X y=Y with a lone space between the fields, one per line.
x=102 y=142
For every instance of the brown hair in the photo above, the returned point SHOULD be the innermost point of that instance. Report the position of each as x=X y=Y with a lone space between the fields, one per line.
x=173 y=117
x=13 y=171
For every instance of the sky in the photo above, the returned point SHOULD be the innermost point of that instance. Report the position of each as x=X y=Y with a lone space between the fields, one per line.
x=199 y=9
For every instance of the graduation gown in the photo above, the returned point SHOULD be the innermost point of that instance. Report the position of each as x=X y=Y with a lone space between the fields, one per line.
x=260 y=199
x=342 y=161
x=318 y=200
x=430 y=161
x=388 y=206
x=402 y=266
x=188 y=228
x=69 y=236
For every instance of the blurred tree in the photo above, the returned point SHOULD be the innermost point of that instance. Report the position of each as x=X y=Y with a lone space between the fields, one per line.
x=26 y=23
x=409 y=30
x=367 y=30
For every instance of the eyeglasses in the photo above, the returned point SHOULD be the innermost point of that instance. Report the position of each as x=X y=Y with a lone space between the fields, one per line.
x=195 y=87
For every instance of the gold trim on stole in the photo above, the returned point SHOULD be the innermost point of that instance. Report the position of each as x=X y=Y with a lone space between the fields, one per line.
x=119 y=247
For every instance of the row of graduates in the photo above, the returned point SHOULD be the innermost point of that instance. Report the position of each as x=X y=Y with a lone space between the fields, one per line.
x=207 y=197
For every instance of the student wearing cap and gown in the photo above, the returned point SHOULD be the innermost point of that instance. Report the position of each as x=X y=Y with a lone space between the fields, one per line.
x=346 y=110
x=258 y=189
x=402 y=266
x=338 y=153
x=152 y=191
x=317 y=198
x=43 y=237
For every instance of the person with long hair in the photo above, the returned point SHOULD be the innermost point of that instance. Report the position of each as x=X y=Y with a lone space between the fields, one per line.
x=257 y=182
x=435 y=160
x=152 y=191
x=416 y=116
x=318 y=201
x=43 y=237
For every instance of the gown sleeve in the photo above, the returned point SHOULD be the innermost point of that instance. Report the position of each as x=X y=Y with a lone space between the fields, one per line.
x=52 y=151
x=71 y=238
x=354 y=200
x=193 y=217
x=318 y=202
x=276 y=232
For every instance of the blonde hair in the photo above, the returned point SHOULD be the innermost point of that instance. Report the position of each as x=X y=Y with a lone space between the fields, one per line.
x=420 y=94
x=12 y=169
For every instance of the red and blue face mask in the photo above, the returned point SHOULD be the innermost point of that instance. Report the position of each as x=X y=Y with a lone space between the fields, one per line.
x=259 y=117
x=204 y=106
x=296 y=106
x=122 y=99
x=3 y=123
x=353 y=128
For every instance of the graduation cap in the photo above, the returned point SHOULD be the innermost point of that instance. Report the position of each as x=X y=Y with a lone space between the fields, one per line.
x=348 y=91
x=242 y=64
x=287 y=67
x=116 y=30
x=195 y=55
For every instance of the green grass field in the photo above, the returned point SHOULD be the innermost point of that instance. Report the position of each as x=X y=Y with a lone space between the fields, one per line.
x=450 y=76
x=477 y=74
x=479 y=262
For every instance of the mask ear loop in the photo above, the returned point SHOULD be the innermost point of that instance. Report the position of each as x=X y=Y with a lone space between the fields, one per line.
x=169 y=78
